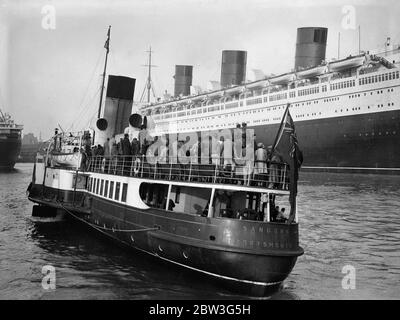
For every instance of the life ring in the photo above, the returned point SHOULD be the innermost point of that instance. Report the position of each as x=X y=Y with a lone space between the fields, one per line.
x=136 y=166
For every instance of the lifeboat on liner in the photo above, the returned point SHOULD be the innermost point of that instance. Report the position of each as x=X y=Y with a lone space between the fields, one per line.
x=347 y=63
x=283 y=79
x=234 y=90
x=216 y=94
x=257 y=84
x=312 y=72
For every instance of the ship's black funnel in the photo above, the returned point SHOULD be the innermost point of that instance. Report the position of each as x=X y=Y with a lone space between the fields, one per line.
x=233 y=67
x=117 y=108
x=101 y=124
x=183 y=80
x=310 y=47
x=135 y=120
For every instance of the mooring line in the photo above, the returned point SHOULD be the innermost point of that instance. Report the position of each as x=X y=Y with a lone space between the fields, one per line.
x=105 y=228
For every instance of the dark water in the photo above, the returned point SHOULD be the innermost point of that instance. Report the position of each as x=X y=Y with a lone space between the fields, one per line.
x=345 y=220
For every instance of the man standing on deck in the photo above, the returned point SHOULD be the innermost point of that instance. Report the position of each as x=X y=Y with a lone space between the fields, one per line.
x=126 y=145
x=276 y=160
x=260 y=165
x=114 y=156
x=126 y=151
x=107 y=154
x=135 y=147
x=142 y=139
x=107 y=149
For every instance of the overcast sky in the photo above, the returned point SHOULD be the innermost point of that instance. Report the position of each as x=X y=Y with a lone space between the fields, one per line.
x=52 y=76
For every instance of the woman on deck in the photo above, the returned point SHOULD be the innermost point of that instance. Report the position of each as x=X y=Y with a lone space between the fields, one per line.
x=276 y=159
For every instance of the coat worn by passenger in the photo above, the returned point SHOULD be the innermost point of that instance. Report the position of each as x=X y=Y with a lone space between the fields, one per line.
x=260 y=165
x=135 y=147
x=274 y=168
x=126 y=147
x=107 y=149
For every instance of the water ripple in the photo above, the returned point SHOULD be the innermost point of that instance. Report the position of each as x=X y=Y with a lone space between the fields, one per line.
x=344 y=220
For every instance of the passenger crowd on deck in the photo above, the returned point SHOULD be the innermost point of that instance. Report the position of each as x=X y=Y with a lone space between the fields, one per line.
x=265 y=171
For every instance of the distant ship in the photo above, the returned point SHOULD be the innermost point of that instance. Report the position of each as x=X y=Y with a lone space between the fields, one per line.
x=10 y=141
x=347 y=111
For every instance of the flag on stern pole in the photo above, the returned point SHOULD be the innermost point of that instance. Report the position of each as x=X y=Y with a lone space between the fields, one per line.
x=287 y=146
x=107 y=44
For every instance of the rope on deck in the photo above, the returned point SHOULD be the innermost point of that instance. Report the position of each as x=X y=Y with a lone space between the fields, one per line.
x=105 y=228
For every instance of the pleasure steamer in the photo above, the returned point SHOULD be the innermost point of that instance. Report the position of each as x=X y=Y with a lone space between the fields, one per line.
x=203 y=216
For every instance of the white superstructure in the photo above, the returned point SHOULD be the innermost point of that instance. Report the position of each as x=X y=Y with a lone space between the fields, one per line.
x=355 y=85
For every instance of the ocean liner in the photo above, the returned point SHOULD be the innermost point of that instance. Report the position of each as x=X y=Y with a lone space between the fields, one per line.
x=10 y=141
x=347 y=111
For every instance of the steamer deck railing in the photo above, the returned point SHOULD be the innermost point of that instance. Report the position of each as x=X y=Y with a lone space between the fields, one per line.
x=213 y=176
x=275 y=177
